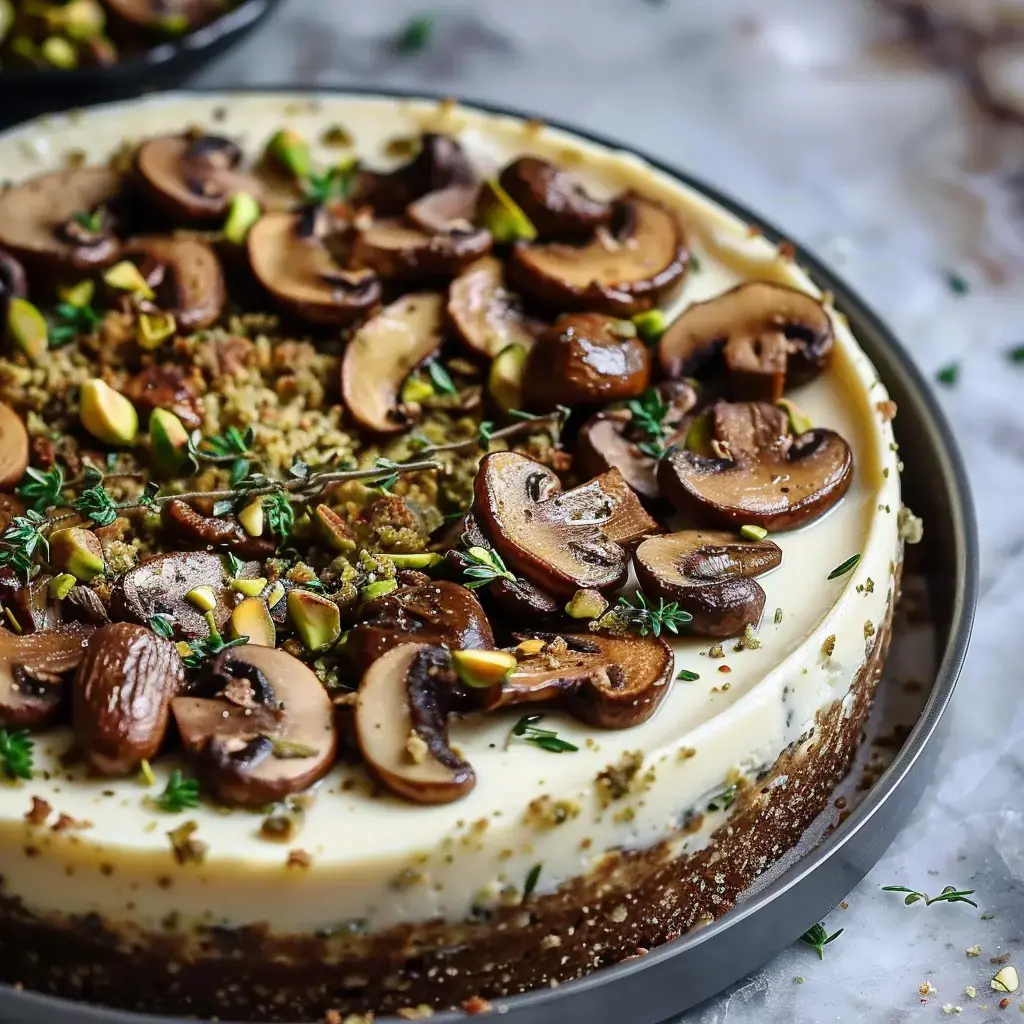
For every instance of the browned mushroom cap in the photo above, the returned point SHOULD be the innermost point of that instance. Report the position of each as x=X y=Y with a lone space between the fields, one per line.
x=613 y=682
x=761 y=474
x=186 y=276
x=158 y=586
x=438 y=613
x=222 y=533
x=398 y=251
x=30 y=604
x=164 y=386
x=562 y=542
x=13 y=447
x=628 y=266
x=192 y=180
x=122 y=695
x=289 y=258
x=710 y=575
x=183 y=15
x=770 y=336
x=267 y=729
x=439 y=164
x=555 y=204
x=33 y=670
x=611 y=439
x=401 y=725
x=484 y=314
x=585 y=358
x=448 y=210
x=61 y=220
x=382 y=353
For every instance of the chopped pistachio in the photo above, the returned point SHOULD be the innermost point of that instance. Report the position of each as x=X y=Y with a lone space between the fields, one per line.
x=154 y=329
x=528 y=648
x=317 y=619
x=503 y=216
x=62 y=585
x=378 y=589
x=252 y=518
x=650 y=325
x=799 y=421
x=421 y=560
x=243 y=212
x=126 y=277
x=106 y=414
x=251 y=588
x=77 y=551
x=753 y=532
x=251 y=618
x=482 y=669
x=276 y=594
x=505 y=379
x=168 y=443
x=586 y=604
x=416 y=389
x=202 y=598
x=79 y=295
x=28 y=328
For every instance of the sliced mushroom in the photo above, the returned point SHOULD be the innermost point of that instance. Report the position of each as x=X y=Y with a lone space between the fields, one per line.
x=561 y=541
x=759 y=474
x=289 y=258
x=484 y=314
x=449 y=210
x=167 y=387
x=186 y=276
x=266 y=731
x=61 y=220
x=401 y=725
x=613 y=682
x=770 y=337
x=14 y=450
x=192 y=180
x=438 y=164
x=122 y=696
x=398 y=251
x=628 y=267
x=222 y=533
x=158 y=586
x=382 y=353
x=437 y=613
x=29 y=604
x=710 y=574
x=612 y=438
x=33 y=670
x=583 y=359
x=555 y=203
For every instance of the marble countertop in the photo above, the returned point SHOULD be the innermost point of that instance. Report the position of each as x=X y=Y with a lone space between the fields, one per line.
x=812 y=112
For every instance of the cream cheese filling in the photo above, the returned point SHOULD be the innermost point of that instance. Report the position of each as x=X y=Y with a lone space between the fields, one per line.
x=373 y=858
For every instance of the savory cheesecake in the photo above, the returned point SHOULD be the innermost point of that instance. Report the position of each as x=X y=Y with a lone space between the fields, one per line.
x=442 y=556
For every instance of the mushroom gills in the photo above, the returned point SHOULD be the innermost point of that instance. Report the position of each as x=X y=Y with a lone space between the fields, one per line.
x=710 y=574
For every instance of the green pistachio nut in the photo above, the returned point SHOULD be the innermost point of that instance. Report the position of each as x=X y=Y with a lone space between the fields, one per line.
x=251 y=618
x=202 y=598
x=25 y=324
x=251 y=588
x=421 y=560
x=650 y=325
x=276 y=594
x=243 y=212
x=374 y=590
x=416 y=389
x=502 y=215
x=505 y=379
x=252 y=518
x=62 y=585
x=751 y=532
x=483 y=669
x=59 y=53
x=106 y=414
x=126 y=277
x=154 y=329
x=168 y=443
x=79 y=295
x=586 y=604
x=78 y=552
x=799 y=421
x=290 y=152
x=316 y=619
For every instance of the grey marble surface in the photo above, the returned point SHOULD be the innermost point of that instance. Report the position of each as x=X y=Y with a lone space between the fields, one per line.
x=807 y=111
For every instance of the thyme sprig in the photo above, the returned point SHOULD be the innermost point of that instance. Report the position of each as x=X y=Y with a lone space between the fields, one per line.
x=818 y=938
x=16 y=751
x=951 y=894
x=42 y=489
x=180 y=793
x=644 y=618
x=71 y=321
x=486 y=567
x=649 y=412
x=528 y=729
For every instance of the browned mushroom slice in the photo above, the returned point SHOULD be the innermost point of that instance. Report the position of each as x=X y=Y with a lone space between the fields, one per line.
x=770 y=336
x=448 y=210
x=193 y=179
x=761 y=474
x=29 y=604
x=186 y=276
x=710 y=574
x=266 y=731
x=612 y=438
x=61 y=220
x=289 y=258
x=397 y=251
x=562 y=542
x=439 y=164
x=382 y=353
x=628 y=267
x=158 y=586
x=484 y=314
x=553 y=201
x=33 y=670
x=401 y=725
x=122 y=695
x=613 y=682
x=222 y=533
x=438 y=613
x=167 y=387
x=14 y=454
x=583 y=359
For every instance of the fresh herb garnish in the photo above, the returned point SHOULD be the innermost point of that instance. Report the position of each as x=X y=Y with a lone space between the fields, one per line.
x=484 y=432
x=72 y=321
x=818 y=938
x=95 y=502
x=644 y=618
x=654 y=450
x=390 y=467
x=687 y=676
x=333 y=184
x=547 y=739
x=957 y=283
x=280 y=513
x=22 y=539
x=441 y=379
x=1016 y=354
x=531 y=881
x=162 y=625
x=649 y=411
x=949 y=374
x=414 y=35
x=180 y=793
x=844 y=568
x=486 y=567
x=230 y=448
x=203 y=648
x=91 y=220
x=951 y=894
x=16 y=749
x=42 y=489
x=725 y=799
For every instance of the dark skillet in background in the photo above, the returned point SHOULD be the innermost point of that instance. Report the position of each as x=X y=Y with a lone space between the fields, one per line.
x=26 y=93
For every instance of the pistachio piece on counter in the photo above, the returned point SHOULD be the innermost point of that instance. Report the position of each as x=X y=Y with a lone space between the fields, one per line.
x=77 y=551
x=316 y=619
x=106 y=414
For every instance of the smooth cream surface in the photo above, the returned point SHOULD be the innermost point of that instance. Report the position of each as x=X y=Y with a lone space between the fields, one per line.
x=378 y=859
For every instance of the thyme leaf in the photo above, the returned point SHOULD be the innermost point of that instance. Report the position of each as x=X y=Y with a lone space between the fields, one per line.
x=16 y=752
x=528 y=729
x=486 y=567
x=817 y=937
x=951 y=894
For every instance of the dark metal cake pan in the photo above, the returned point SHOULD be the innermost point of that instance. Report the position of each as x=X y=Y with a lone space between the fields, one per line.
x=810 y=882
